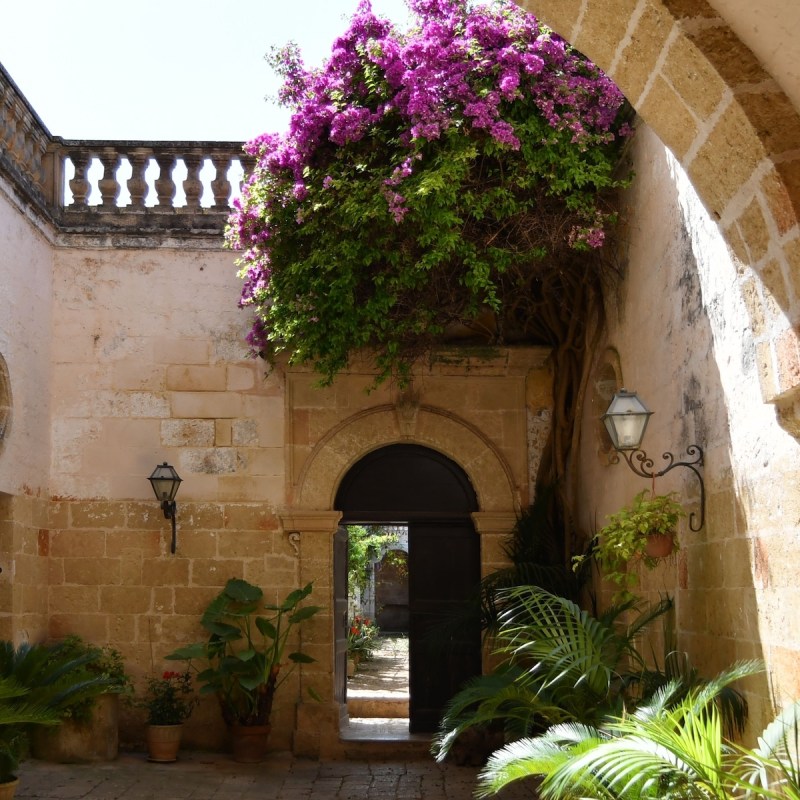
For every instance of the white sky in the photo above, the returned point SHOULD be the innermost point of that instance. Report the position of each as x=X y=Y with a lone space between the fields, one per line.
x=163 y=69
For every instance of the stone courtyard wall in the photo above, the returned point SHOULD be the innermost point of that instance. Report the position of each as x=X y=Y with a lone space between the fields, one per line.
x=149 y=365
x=680 y=336
x=118 y=352
x=144 y=361
x=26 y=258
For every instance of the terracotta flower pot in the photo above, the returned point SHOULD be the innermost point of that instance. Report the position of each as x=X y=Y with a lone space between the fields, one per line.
x=8 y=788
x=249 y=743
x=163 y=742
x=659 y=545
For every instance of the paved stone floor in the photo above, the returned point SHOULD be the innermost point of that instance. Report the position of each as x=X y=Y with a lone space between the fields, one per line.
x=205 y=776
x=212 y=776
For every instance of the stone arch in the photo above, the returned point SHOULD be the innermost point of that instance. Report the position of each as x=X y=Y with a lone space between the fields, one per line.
x=732 y=129
x=354 y=437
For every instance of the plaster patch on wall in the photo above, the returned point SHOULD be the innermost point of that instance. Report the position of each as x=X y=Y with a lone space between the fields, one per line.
x=213 y=461
x=244 y=432
x=539 y=422
x=187 y=432
x=230 y=345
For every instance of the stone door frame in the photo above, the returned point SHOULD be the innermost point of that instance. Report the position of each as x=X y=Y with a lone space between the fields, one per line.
x=312 y=522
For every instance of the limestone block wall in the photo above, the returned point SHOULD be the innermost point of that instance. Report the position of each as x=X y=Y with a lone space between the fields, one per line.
x=25 y=339
x=149 y=365
x=112 y=579
x=679 y=334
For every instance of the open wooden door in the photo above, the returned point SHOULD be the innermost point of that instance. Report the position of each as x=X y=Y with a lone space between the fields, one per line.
x=412 y=485
x=444 y=638
x=340 y=614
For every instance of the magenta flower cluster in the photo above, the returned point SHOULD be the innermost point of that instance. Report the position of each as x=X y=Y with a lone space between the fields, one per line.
x=460 y=65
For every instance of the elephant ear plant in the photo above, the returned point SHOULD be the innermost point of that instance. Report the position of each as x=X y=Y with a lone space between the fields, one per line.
x=244 y=651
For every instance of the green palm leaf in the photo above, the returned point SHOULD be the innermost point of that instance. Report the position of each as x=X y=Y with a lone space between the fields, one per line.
x=670 y=747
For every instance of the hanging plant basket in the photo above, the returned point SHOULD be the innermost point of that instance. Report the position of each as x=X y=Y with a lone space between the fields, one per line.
x=660 y=545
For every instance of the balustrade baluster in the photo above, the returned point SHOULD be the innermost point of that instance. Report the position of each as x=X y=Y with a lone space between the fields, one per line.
x=221 y=186
x=165 y=185
x=10 y=135
x=79 y=185
x=26 y=143
x=18 y=142
x=193 y=186
x=8 y=130
x=109 y=185
x=248 y=165
x=137 y=185
x=39 y=153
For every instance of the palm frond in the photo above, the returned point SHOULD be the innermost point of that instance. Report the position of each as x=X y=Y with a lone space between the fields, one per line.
x=672 y=746
x=774 y=764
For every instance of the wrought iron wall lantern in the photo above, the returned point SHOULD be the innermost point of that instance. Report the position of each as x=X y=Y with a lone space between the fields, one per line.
x=166 y=482
x=626 y=421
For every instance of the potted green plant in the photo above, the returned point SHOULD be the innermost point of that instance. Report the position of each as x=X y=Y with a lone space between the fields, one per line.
x=14 y=719
x=90 y=729
x=169 y=701
x=645 y=530
x=37 y=684
x=361 y=635
x=244 y=654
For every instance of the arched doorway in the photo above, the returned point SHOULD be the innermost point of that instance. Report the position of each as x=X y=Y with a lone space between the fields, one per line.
x=419 y=487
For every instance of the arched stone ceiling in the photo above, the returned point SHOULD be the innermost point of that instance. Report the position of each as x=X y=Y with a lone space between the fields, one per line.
x=732 y=127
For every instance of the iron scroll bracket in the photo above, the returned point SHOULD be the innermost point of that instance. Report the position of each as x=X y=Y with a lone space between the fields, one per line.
x=643 y=465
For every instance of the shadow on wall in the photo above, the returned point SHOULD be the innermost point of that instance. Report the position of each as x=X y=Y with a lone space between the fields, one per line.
x=678 y=333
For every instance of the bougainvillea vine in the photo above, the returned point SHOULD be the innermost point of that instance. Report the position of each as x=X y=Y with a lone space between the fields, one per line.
x=425 y=176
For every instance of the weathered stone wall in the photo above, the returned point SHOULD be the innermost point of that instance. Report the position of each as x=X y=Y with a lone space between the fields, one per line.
x=112 y=579
x=149 y=365
x=733 y=130
x=680 y=335
x=25 y=341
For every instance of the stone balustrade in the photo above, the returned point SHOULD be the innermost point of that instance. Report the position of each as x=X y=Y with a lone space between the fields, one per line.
x=25 y=144
x=124 y=186
x=149 y=185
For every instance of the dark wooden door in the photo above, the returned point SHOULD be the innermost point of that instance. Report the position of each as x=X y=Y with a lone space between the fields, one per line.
x=340 y=615
x=444 y=637
x=417 y=486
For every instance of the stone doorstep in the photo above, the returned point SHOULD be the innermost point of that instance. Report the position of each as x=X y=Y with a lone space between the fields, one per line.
x=379 y=706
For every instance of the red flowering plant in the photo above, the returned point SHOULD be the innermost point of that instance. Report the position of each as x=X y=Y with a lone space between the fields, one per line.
x=360 y=638
x=170 y=699
x=428 y=177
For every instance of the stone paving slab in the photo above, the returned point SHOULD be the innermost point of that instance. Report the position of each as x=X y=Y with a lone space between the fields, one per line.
x=208 y=776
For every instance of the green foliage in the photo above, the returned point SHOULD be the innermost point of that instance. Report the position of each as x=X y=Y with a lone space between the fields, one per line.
x=170 y=699
x=361 y=635
x=416 y=188
x=102 y=662
x=624 y=539
x=559 y=663
x=671 y=746
x=39 y=685
x=352 y=279
x=773 y=766
x=364 y=543
x=244 y=649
